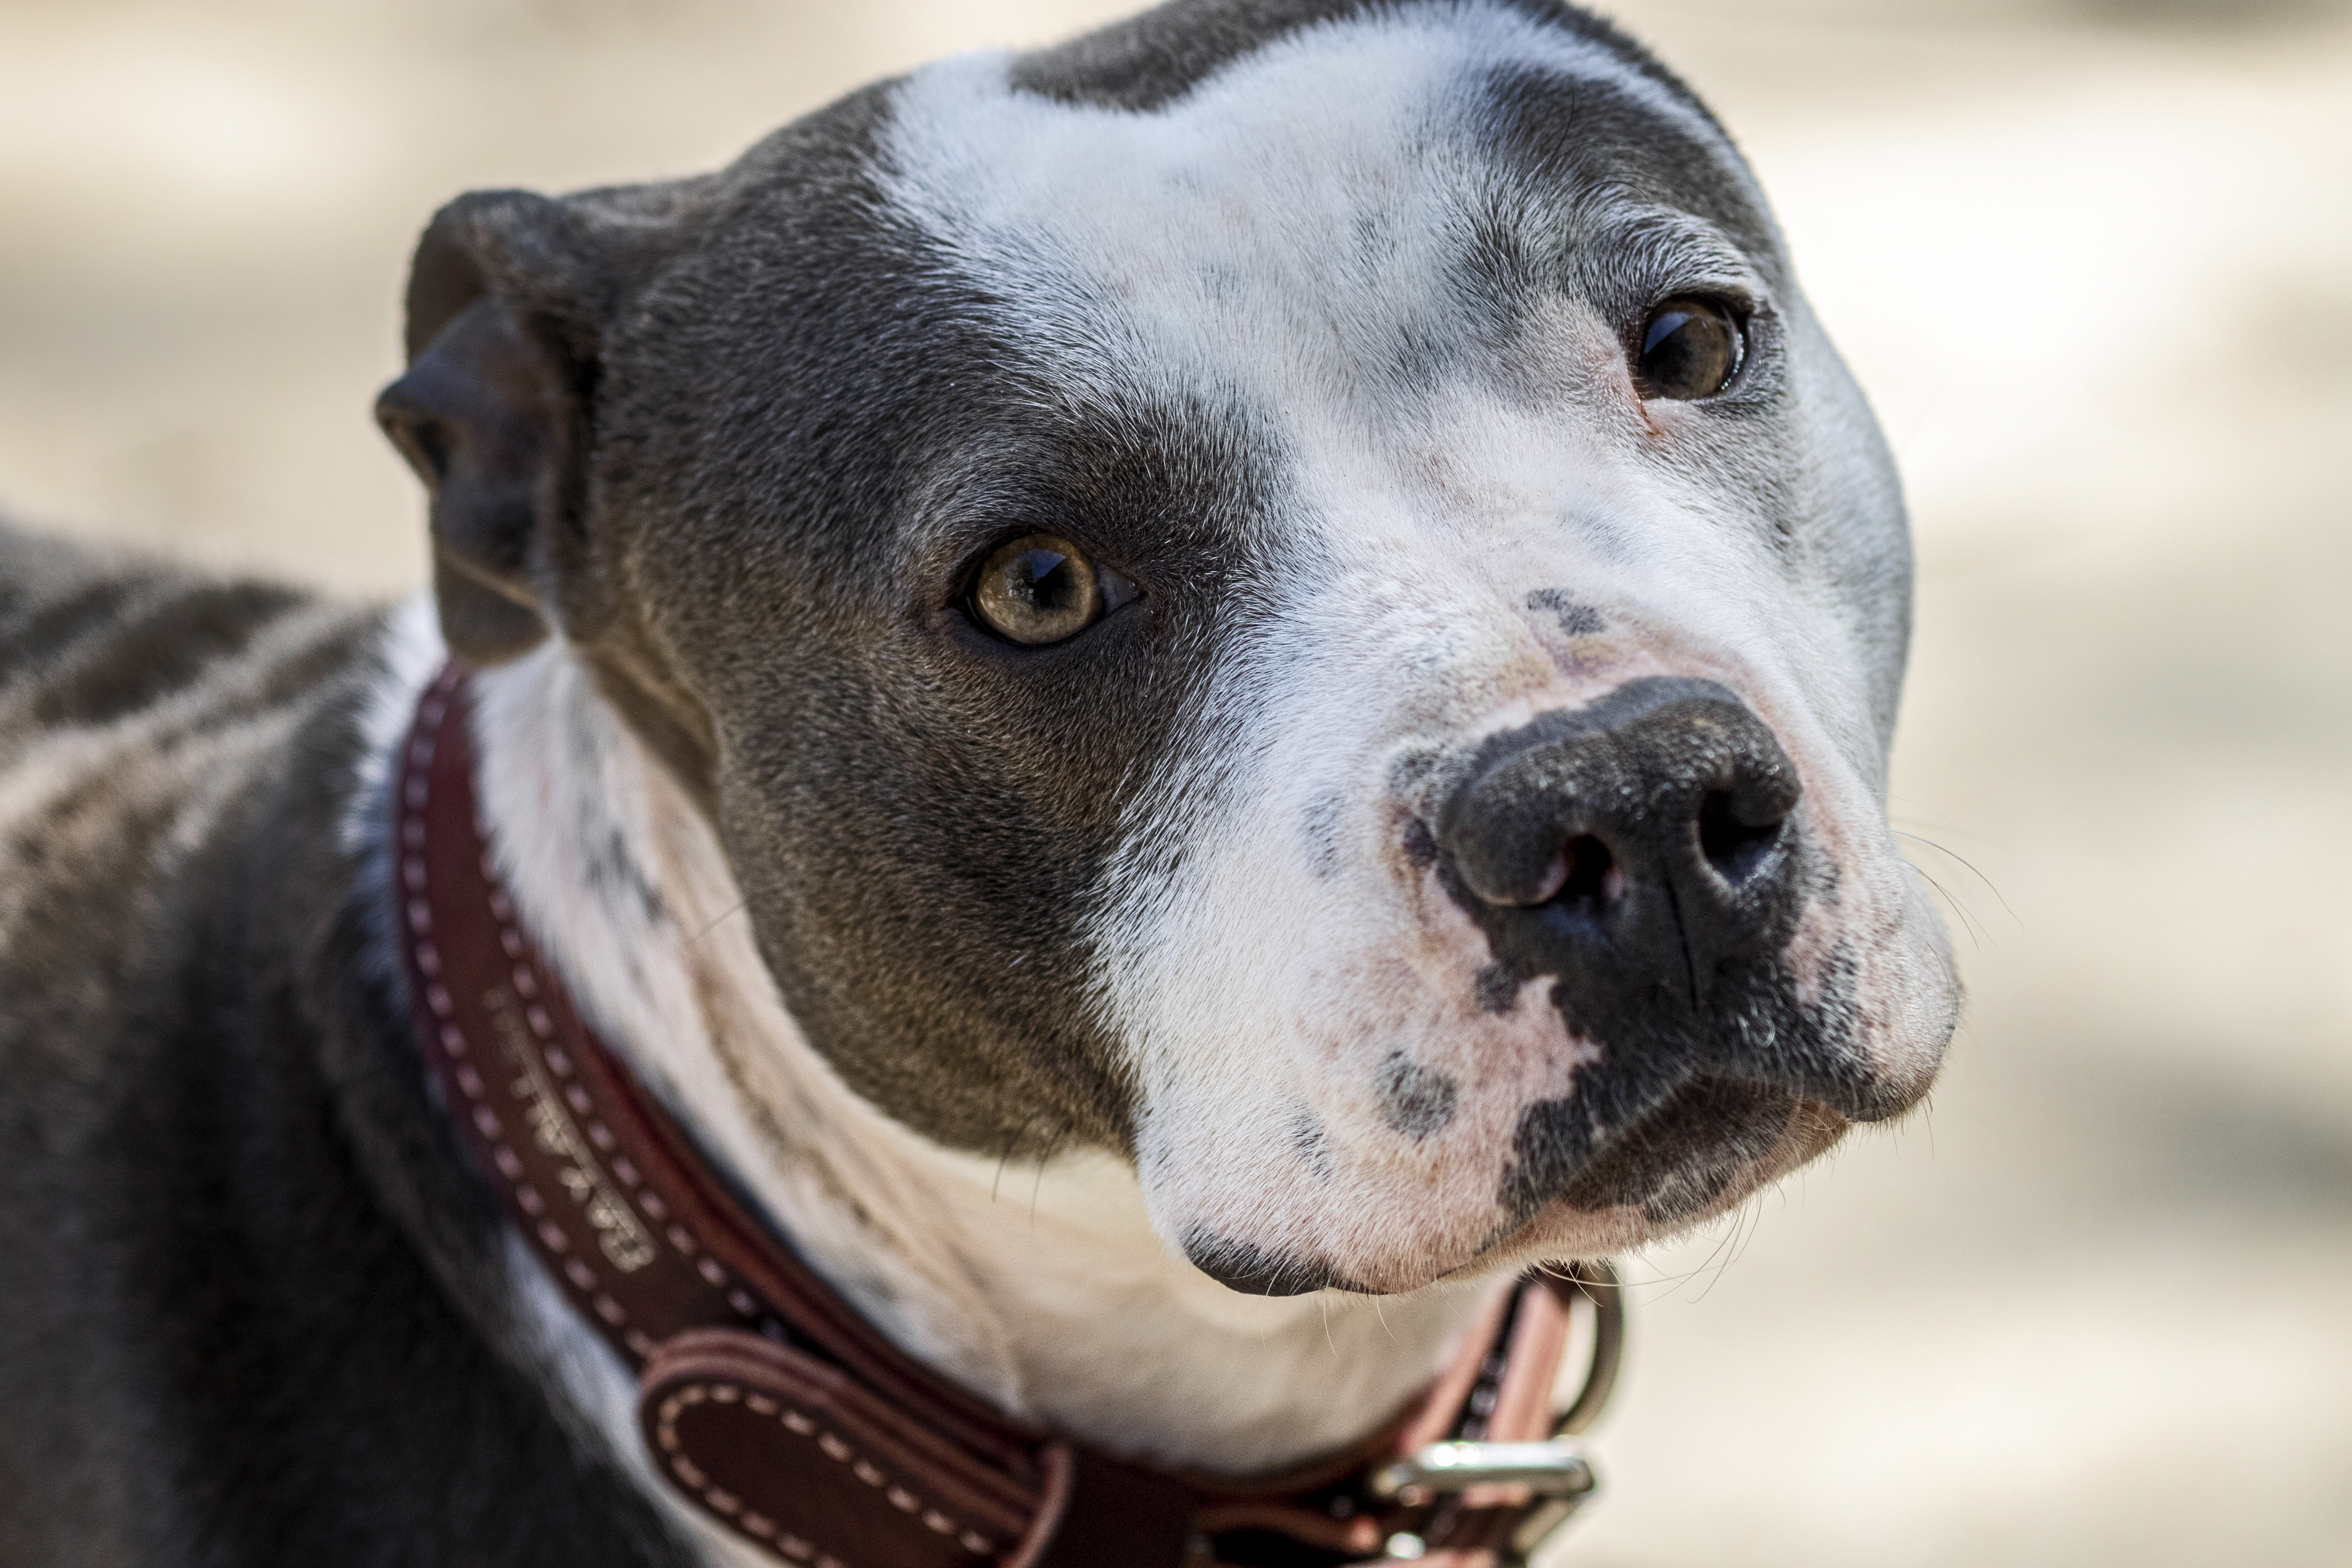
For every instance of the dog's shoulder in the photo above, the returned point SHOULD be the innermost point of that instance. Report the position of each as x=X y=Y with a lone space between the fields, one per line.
x=146 y=714
x=138 y=702
x=235 y=1237
x=88 y=636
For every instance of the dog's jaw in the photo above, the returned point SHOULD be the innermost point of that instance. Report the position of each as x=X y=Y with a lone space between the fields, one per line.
x=1039 y=1284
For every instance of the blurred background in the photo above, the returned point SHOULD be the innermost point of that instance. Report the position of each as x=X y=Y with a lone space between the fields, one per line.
x=2093 y=260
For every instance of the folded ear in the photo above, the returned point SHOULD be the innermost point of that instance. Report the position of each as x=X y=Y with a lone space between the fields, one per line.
x=505 y=306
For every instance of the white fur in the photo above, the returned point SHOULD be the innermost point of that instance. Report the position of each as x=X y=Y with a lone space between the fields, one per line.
x=410 y=653
x=600 y=1402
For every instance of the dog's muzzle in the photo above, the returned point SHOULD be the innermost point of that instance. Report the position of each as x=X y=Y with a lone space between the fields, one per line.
x=1647 y=854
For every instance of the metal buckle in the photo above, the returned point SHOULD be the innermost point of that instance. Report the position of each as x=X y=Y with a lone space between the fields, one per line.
x=1551 y=1469
x=1555 y=1471
x=1559 y=1476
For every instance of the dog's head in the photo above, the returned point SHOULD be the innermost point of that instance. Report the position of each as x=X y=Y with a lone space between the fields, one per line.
x=1289 y=589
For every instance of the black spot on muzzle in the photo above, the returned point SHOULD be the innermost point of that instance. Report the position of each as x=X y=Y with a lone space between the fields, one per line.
x=1414 y=1099
x=1647 y=853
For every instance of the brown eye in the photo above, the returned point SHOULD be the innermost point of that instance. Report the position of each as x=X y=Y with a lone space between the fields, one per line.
x=1037 y=589
x=1690 y=348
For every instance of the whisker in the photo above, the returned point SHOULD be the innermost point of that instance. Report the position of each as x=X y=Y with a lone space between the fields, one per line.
x=1673 y=1282
x=1038 y=1184
x=738 y=908
x=1011 y=1145
x=1724 y=1253
x=1990 y=885
x=1968 y=921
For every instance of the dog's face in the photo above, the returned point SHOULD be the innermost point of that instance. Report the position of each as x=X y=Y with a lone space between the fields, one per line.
x=1307 y=603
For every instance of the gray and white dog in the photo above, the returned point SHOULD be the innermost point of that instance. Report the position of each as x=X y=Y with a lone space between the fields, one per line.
x=1163 y=687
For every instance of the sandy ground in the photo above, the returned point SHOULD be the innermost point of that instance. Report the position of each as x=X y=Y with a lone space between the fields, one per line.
x=2094 y=262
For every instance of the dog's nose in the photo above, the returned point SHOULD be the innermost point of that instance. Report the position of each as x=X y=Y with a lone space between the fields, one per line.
x=1639 y=848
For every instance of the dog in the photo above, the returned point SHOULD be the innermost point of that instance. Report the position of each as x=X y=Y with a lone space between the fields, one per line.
x=1186 y=696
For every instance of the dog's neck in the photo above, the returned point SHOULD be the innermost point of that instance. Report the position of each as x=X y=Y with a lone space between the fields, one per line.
x=1038 y=1284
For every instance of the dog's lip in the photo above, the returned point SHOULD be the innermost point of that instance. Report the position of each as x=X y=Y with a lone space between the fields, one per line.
x=1538 y=1240
x=1556 y=1232
x=1811 y=1127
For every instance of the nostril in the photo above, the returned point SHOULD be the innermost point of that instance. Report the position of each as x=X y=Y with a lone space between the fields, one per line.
x=1734 y=848
x=1590 y=871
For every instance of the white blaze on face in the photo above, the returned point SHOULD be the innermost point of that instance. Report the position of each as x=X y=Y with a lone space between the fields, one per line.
x=1321 y=1076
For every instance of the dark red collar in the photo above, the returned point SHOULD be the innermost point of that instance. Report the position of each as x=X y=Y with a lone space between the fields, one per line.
x=773 y=1406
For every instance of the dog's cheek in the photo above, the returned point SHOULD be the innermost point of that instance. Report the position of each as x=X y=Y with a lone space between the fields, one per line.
x=1344 y=1099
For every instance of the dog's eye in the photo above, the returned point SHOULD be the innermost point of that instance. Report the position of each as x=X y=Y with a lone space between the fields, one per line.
x=1041 y=589
x=1691 y=348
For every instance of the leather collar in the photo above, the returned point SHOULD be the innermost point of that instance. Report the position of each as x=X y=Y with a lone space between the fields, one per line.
x=775 y=1408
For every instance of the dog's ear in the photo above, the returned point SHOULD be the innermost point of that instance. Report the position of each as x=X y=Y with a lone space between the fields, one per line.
x=506 y=303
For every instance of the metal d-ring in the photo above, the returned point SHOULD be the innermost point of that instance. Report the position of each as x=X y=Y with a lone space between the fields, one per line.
x=1596 y=1281
x=1551 y=1467
x=1560 y=1477
x=1599 y=1284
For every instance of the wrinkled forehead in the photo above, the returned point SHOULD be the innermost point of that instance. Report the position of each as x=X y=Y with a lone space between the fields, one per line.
x=1349 y=211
